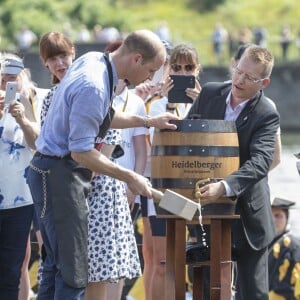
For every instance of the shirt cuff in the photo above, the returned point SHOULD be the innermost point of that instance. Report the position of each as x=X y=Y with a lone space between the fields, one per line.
x=229 y=192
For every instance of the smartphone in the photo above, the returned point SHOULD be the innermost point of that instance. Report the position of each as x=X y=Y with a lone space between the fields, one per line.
x=297 y=155
x=10 y=92
x=118 y=152
x=181 y=83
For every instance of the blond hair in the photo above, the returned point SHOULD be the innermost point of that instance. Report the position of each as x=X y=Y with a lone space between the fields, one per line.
x=262 y=56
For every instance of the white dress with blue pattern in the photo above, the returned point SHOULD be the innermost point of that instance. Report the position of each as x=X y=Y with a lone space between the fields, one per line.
x=14 y=162
x=112 y=246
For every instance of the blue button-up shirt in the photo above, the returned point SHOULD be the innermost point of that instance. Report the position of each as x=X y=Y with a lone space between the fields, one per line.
x=78 y=107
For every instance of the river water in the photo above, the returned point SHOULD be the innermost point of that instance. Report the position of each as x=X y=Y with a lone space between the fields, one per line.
x=284 y=180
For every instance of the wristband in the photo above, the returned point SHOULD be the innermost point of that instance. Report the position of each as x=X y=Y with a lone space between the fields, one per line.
x=146 y=122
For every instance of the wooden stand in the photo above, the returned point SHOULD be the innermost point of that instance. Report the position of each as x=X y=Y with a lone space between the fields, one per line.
x=220 y=257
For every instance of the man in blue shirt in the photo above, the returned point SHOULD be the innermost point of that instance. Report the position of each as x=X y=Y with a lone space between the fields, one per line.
x=68 y=151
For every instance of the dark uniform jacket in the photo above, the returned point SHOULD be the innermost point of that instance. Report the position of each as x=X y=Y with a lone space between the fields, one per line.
x=284 y=267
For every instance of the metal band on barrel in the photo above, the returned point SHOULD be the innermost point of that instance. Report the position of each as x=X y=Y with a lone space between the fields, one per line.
x=203 y=125
x=175 y=183
x=219 y=151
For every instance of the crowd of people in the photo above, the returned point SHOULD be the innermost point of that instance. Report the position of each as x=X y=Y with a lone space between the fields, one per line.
x=75 y=159
x=223 y=40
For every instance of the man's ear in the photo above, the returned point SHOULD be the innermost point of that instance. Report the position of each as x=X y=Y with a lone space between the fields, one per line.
x=137 y=57
x=266 y=82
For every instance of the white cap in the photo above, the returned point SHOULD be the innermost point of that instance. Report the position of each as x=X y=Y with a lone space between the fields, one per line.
x=11 y=66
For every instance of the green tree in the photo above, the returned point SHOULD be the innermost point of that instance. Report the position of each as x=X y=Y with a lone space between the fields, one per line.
x=205 y=5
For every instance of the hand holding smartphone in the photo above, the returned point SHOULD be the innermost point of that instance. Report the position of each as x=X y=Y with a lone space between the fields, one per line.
x=181 y=83
x=10 y=93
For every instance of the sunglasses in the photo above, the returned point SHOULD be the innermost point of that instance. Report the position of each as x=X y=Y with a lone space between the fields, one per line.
x=187 y=68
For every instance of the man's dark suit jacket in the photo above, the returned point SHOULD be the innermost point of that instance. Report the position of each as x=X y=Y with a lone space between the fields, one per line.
x=256 y=126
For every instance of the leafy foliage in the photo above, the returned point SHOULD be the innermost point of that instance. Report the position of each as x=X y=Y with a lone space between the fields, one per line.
x=190 y=21
x=43 y=15
x=205 y=5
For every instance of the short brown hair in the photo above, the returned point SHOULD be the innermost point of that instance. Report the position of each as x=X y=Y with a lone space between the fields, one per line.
x=262 y=56
x=113 y=46
x=52 y=44
x=146 y=43
x=185 y=52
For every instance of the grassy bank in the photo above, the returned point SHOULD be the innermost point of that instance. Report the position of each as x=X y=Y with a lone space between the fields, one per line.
x=188 y=25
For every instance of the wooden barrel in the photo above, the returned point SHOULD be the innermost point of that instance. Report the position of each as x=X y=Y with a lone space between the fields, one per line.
x=197 y=150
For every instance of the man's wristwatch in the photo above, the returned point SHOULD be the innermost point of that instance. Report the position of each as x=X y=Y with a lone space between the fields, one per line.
x=171 y=108
x=146 y=122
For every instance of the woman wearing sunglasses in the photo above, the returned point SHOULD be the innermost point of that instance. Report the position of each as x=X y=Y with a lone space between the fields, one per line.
x=183 y=61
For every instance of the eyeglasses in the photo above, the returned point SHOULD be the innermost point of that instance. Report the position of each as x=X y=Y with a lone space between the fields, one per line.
x=247 y=78
x=187 y=68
